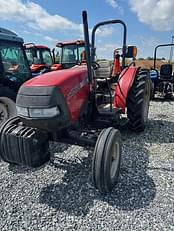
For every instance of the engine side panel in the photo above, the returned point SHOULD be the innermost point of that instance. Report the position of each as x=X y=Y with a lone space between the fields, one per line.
x=125 y=82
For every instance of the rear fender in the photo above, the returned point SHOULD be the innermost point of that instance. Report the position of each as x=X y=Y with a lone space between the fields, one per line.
x=125 y=81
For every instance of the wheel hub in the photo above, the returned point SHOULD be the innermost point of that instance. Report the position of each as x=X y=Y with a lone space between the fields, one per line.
x=115 y=160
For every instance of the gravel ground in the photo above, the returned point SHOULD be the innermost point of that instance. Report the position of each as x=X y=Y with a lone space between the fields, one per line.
x=60 y=195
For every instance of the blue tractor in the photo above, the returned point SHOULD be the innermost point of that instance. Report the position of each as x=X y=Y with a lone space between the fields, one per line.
x=162 y=79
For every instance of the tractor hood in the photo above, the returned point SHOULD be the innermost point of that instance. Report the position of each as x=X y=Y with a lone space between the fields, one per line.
x=63 y=79
x=59 y=94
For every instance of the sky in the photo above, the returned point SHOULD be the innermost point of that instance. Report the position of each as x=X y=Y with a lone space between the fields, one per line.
x=149 y=22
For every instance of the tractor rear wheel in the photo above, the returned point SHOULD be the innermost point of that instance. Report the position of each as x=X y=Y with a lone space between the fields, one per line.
x=138 y=101
x=106 y=159
x=7 y=104
x=152 y=90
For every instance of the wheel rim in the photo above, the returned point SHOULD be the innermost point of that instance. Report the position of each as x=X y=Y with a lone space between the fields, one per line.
x=7 y=109
x=115 y=160
x=146 y=104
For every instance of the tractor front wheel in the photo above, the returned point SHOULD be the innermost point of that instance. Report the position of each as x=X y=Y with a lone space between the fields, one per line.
x=106 y=160
x=138 y=101
x=7 y=104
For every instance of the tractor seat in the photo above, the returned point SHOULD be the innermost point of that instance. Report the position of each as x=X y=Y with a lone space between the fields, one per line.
x=104 y=70
x=166 y=72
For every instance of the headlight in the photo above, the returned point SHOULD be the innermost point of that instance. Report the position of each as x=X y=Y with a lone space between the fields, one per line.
x=44 y=112
x=38 y=112
x=23 y=111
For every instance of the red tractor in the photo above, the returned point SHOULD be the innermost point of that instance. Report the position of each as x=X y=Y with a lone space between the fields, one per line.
x=70 y=53
x=39 y=57
x=42 y=60
x=79 y=106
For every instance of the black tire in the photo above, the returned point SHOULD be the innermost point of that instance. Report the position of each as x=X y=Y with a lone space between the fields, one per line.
x=152 y=90
x=7 y=103
x=106 y=160
x=138 y=101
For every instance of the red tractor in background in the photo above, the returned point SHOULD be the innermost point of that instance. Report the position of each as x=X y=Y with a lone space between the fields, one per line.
x=39 y=57
x=70 y=53
x=79 y=106
x=42 y=60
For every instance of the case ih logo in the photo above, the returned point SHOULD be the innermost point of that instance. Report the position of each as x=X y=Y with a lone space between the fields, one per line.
x=77 y=88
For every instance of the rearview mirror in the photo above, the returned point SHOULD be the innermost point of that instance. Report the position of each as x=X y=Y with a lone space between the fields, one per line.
x=131 y=52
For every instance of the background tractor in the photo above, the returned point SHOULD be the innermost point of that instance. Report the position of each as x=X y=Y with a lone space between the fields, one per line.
x=79 y=106
x=69 y=53
x=39 y=57
x=65 y=55
x=14 y=70
x=163 y=78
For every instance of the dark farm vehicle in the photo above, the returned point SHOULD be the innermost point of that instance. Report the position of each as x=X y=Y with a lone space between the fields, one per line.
x=14 y=70
x=163 y=79
x=79 y=106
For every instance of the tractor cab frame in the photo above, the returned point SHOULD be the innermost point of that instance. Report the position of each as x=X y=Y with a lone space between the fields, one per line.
x=71 y=53
x=40 y=58
x=163 y=79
